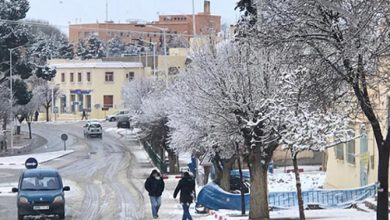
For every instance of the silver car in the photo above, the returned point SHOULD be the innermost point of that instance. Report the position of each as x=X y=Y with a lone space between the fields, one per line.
x=93 y=128
x=116 y=115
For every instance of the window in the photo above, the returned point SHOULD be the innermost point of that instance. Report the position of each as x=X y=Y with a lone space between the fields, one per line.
x=351 y=150
x=88 y=101
x=62 y=77
x=71 y=77
x=108 y=101
x=79 y=77
x=130 y=76
x=109 y=77
x=88 y=77
x=339 y=150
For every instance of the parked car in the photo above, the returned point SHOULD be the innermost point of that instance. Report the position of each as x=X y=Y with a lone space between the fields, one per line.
x=40 y=192
x=123 y=122
x=93 y=128
x=116 y=115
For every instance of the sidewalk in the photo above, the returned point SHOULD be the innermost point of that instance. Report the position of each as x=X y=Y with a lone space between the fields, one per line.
x=170 y=209
x=22 y=144
x=17 y=162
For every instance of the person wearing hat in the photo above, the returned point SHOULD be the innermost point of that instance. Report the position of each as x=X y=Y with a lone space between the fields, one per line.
x=186 y=186
x=155 y=186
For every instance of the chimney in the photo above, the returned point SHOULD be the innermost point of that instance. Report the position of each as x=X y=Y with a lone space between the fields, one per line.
x=206 y=7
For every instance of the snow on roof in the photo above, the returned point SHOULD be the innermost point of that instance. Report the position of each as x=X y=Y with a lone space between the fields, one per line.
x=97 y=65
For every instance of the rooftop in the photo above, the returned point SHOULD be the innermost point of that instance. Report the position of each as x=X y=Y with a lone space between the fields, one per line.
x=94 y=64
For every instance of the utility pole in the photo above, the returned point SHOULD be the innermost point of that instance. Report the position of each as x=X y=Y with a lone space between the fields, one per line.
x=193 y=19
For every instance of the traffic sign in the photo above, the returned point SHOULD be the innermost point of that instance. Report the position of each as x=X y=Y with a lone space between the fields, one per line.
x=55 y=109
x=31 y=163
x=64 y=137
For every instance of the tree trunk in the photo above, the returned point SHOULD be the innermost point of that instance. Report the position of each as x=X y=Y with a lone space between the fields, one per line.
x=173 y=168
x=299 y=187
x=5 y=119
x=383 y=190
x=218 y=170
x=47 y=114
x=241 y=183
x=29 y=129
x=206 y=174
x=227 y=167
x=259 y=190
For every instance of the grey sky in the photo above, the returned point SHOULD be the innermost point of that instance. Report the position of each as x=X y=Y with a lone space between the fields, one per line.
x=61 y=12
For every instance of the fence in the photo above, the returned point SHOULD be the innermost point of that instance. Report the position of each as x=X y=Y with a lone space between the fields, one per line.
x=213 y=197
x=158 y=162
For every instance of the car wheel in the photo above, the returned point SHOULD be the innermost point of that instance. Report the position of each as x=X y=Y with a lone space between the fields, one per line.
x=20 y=217
x=112 y=119
x=61 y=216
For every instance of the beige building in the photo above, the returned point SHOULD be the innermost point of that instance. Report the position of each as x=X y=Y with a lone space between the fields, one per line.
x=96 y=85
x=355 y=164
x=93 y=85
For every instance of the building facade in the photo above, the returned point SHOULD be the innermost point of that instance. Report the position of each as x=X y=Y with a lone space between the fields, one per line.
x=132 y=32
x=92 y=85
x=355 y=163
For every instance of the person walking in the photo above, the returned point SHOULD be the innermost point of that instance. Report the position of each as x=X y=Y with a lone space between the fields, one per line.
x=36 y=115
x=155 y=185
x=186 y=186
x=84 y=115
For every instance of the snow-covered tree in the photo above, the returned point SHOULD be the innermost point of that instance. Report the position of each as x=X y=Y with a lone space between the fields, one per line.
x=115 y=47
x=47 y=93
x=91 y=48
x=135 y=92
x=305 y=126
x=233 y=89
x=341 y=43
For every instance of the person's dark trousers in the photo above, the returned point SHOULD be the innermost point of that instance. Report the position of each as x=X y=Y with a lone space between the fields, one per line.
x=186 y=212
x=156 y=203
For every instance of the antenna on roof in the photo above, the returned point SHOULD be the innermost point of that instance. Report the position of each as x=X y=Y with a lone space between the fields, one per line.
x=106 y=10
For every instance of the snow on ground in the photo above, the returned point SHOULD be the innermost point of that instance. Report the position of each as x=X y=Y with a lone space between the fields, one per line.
x=282 y=182
x=325 y=214
x=17 y=162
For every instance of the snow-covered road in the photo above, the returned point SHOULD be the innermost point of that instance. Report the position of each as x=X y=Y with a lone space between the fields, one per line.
x=98 y=172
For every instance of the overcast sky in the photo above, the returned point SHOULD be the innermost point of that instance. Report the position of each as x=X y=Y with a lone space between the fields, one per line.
x=63 y=12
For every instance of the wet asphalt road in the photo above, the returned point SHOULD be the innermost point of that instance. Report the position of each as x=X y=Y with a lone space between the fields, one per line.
x=98 y=172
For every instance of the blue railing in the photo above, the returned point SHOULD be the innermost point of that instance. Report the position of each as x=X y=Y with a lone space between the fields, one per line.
x=213 y=197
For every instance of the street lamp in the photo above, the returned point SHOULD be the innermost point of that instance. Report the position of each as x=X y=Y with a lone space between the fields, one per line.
x=11 y=94
x=193 y=19
x=154 y=56
x=165 y=47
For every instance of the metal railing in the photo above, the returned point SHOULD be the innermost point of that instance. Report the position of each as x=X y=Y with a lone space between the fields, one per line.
x=154 y=156
x=327 y=198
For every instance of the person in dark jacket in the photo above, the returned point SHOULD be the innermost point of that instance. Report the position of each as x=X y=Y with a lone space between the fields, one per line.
x=155 y=186
x=186 y=186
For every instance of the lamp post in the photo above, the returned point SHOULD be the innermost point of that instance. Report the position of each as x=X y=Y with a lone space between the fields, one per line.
x=165 y=47
x=193 y=19
x=11 y=95
x=154 y=56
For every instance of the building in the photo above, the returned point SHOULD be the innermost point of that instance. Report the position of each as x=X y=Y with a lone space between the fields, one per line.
x=93 y=85
x=355 y=163
x=132 y=32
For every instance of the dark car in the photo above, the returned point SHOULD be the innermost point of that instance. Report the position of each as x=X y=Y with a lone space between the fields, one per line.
x=123 y=122
x=40 y=192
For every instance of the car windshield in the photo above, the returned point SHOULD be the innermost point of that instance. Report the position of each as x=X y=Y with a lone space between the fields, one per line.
x=40 y=183
x=95 y=126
